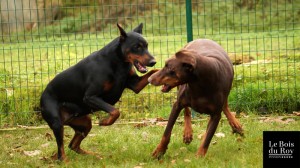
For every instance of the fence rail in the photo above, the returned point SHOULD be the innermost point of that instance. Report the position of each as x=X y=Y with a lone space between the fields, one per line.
x=39 y=39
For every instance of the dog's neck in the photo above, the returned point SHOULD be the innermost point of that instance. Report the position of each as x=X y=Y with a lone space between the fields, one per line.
x=114 y=50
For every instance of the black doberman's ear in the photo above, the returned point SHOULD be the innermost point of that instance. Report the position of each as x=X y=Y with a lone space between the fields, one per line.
x=139 y=29
x=122 y=32
x=187 y=58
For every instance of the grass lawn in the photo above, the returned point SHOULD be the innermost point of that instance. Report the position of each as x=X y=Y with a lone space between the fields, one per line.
x=125 y=145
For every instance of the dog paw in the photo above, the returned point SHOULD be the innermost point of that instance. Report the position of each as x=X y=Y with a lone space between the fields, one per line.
x=158 y=154
x=97 y=155
x=111 y=119
x=237 y=128
x=238 y=131
x=201 y=152
x=187 y=138
x=63 y=158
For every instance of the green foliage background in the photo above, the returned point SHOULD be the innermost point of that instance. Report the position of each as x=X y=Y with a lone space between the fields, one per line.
x=268 y=31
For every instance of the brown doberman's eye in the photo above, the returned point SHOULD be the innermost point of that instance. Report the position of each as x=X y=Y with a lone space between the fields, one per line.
x=172 y=73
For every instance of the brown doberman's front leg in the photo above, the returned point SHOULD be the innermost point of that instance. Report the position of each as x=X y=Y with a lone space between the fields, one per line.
x=234 y=123
x=137 y=83
x=163 y=145
x=188 y=131
x=210 y=131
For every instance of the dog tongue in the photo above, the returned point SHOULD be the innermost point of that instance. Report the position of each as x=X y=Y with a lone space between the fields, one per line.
x=141 y=68
x=165 y=88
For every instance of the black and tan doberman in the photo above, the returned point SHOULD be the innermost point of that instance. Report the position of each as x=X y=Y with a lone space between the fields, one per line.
x=95 y=83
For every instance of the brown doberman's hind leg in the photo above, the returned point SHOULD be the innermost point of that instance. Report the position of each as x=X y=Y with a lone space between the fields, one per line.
x=82 y=126
x=188 y=131
x=210 y=131
x=234 y=123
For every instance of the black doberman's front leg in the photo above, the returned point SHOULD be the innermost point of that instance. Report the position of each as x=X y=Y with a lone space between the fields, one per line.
x=163 y=145
x=97 y=103
x=137 y=83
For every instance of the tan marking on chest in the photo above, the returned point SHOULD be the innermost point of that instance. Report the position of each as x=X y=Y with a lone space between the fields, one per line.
x=107 y=86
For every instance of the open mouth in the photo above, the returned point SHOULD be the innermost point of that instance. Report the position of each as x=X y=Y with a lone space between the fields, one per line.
x=165 y=88
x=140 y=67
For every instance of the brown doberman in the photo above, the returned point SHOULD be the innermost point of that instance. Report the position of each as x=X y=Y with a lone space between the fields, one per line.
x=203 y=73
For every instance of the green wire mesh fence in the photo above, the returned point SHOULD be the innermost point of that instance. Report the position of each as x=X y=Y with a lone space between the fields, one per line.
x=40 y=38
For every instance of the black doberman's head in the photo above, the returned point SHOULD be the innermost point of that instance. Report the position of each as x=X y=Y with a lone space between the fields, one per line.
x=178 y=70
x=135 y=48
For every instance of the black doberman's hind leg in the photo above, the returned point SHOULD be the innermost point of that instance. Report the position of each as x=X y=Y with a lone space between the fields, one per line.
x=51 y=114
x=82 y=126
x=58 y=131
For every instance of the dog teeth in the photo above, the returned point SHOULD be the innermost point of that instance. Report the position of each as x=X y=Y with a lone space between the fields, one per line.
x=164 y=88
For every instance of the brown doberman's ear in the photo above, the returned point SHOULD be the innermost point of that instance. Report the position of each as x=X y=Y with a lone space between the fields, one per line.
x=139 y=29
x=122 y=32
x=187 y=58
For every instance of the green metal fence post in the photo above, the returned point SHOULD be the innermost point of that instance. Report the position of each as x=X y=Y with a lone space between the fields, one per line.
x=189 y=21
x=189 y=27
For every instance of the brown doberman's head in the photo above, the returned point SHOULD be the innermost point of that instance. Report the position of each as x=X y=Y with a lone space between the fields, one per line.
x=178 y=70
x=135 y=49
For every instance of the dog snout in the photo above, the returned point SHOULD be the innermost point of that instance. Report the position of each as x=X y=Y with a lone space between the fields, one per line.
x=152 y=63
x=153 y=79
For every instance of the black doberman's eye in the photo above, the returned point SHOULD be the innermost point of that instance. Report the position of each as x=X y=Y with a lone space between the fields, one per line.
x=138 y=47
